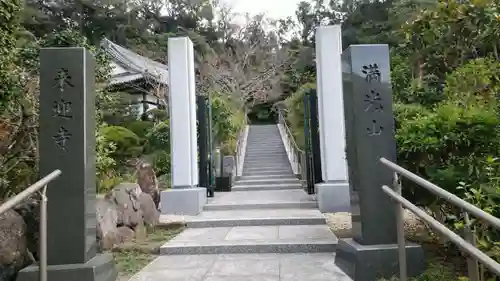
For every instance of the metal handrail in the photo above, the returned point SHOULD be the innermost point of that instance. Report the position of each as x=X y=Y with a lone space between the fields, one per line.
x=466 y=245
x=298 y=155
x=12 y=202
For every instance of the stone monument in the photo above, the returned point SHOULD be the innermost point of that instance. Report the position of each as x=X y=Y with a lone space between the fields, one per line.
x=372 y=253
x=185 y=197
x=67 y=143
x=333 y=192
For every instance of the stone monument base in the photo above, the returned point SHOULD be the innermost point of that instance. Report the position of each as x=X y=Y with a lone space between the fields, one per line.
x=333 y=197
x=183 y=201
x=373 y=262
x=100 y=268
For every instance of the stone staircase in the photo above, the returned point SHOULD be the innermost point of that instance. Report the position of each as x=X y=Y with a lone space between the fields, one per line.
x=266 y=228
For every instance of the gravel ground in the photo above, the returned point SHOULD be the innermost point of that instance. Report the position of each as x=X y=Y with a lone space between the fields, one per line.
x=340 y=223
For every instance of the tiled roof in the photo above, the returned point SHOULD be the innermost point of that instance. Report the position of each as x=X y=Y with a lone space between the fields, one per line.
x=129 y=66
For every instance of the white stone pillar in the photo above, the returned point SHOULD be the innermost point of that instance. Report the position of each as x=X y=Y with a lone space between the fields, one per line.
x=333 y=193
x=192 y=111
x=185 y=198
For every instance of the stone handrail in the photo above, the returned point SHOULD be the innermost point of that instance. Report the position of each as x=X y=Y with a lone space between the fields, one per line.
x=296 y=156
x=240 y=151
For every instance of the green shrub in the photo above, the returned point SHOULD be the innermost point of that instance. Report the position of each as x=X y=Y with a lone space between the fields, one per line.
x=9 y=73
x=294 y=107
x=161 y=162
x=159 y=136
x=106 y=183
x=140 y=128
x=127 y=142
x=158 y=146
x=446 y=145
x=227 y=122
x=478 y=81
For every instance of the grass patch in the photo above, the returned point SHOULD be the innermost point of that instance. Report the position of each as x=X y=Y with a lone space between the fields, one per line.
x=132 y=256
x=436 y=271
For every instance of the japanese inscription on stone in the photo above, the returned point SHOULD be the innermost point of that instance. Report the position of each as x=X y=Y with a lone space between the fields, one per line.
x=62 y=108
x=373 y=100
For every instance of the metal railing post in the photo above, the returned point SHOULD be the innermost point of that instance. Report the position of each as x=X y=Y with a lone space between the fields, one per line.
x=400 y=225
x=43 y=235
x=472 y=264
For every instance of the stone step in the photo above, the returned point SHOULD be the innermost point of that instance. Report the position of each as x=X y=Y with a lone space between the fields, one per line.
x=281 y=154
x=252 y=239
x=251 y=206
x=255 y=187
x=256 y=163
x=256 y=218
x=257 y=147
x=265 y=180
x=261 y=151
x=266 y=158
x=265 y=142
x=267 y=199
x=268 y=163
x=267 y=177
x=268 y=173
x=267 y=151
x=275 y=168
x=267 y=155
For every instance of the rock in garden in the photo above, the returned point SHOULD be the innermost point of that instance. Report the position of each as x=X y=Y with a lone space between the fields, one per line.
x=150 y=213
x=146 y=178
x=107 y=219
x=124 y=234
x=29 y=210
x=126 y=198
x=13 y=246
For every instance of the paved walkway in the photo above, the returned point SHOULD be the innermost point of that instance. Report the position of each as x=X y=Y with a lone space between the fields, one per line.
x=266 y=229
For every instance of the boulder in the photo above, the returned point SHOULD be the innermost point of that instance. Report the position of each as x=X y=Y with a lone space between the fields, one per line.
x=146 y=178
x=107 y=219
x=29 y=210
x=125 y=197
x=124 y=234
x=13 y=245
x=150 y=213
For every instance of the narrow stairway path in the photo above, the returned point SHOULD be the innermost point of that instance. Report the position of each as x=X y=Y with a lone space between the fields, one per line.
x=266 y=228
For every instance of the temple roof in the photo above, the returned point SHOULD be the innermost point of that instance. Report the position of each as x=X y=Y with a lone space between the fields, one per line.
x=128 y=66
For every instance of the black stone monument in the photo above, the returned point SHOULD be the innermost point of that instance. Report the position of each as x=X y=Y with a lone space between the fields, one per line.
x=67 y=143
x=372 y=252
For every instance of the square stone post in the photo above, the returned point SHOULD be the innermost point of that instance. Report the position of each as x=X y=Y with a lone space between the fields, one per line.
x=372 y=253
x=333 y=193
x=67 y=143
x=185 y=197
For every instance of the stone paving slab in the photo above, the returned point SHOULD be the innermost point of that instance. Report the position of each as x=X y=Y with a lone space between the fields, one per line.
x=243 y=267
x=253 y=239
